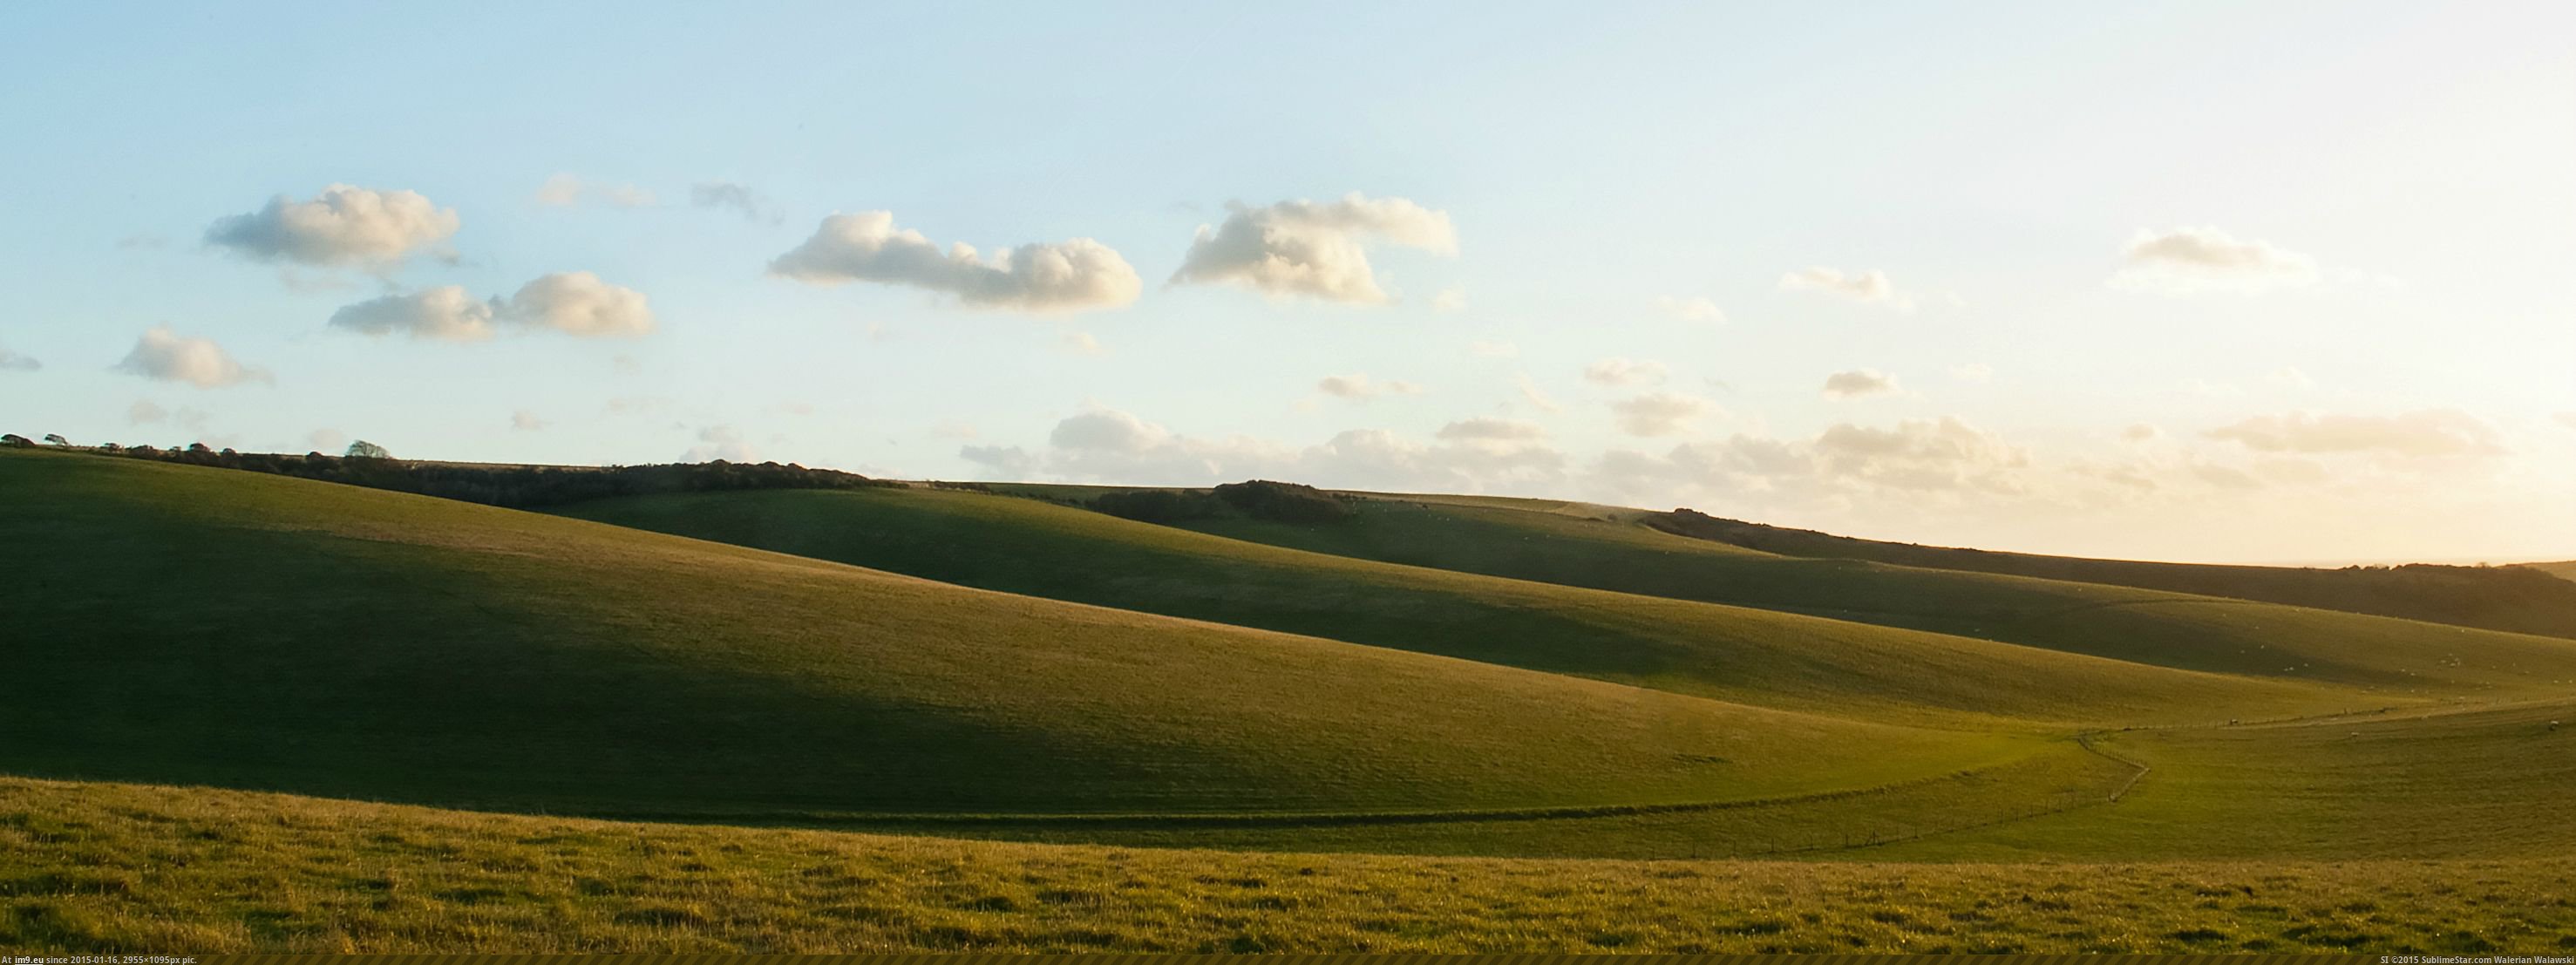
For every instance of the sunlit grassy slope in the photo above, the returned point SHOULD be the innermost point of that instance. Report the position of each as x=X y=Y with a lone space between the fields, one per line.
x=2564 y=571
x=2245 y=660
x=2494 y=598
x=1581 y=545
x=179 y=624
x=2489 y=782
x=103 y=868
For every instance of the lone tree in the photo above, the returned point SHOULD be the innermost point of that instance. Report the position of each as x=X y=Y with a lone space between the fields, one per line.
x=362 y=449
x=56 y=438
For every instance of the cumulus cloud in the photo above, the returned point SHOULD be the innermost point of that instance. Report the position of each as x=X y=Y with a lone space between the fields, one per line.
x=564 y=191
x=2425 y=433
x=1691 y=309
x=344 y=225
x=526 y=421
x=1011 y=462
x=1361 y=387
x=445 y=313
x=14 y=362
x=575 y=303
x=579 y=303
x=1846 y=465
x=1076 y=275
x=2187 y=260
x=1485 y=431
x=1620 y=371
x=1871 y=287
x=1920 y=454
x=1660 y=413
x=1449 y=300
x=1114 y=446
x=727 y=194
x=170 y=357
x=720 y=442
x=1306 y=249
x=1858 y=383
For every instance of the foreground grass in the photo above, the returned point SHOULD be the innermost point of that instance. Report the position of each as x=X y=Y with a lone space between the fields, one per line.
x=131 y=868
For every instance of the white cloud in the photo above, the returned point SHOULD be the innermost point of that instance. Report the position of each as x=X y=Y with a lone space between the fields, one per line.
x=575 y=303
x=2290 y=376
x=1302 y=248
x=1112 y=446
x=1075 y=275
x=1361 y=387
x=2187 y=260
x=579 y=303
x=1660 y=413
x=341 y=226
x=1620 y=371
x=1530 y=392
x=1973 y=372
x=1449 y=300
x=445 y=313
x=526 y=421
x=1491 y=431
x=565 y=190
x=720 y=442
x=727 y=194
x=2141 y=432
x=1847 y=465
x=1858 y=383
x=1011 y=462
x=1493 y=350
x=14 y=362
x=1870 y=286
x=2425 y=433
x=1691 y=309
x=165 y=355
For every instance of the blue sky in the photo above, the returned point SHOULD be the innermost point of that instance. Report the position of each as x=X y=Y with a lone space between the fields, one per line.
x=2194 y=281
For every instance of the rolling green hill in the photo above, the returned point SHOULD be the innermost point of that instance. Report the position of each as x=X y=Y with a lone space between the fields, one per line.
x=2245 y=660
x=2564 y=571
x=1580 y=545
x=195 y=625
x=2494 y=598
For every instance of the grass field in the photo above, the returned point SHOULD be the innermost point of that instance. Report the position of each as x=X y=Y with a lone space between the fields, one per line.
x=125 y=868
x=913 y=718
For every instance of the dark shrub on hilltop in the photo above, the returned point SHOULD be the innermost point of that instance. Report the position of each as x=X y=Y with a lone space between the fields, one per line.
x=512 y=486
x=1282 y=502
x=1159 y=505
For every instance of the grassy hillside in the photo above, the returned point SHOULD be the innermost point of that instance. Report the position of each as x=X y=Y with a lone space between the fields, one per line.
x=1737 y=654
x=102 y=868
x=1580 y=545
x=2483 y=783
x=2494 y=598
x=2564 y=571
x=203 y=626
x=2251 y=660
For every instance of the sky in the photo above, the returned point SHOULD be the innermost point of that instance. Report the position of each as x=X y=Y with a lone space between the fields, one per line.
x=2283 y=282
